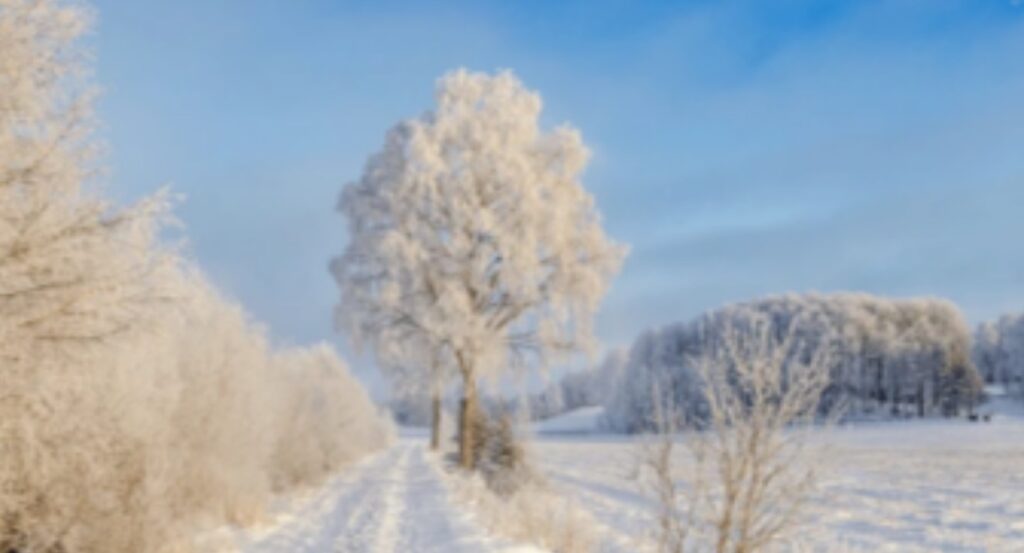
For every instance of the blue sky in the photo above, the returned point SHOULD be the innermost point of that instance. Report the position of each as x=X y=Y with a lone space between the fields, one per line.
x=740 y=148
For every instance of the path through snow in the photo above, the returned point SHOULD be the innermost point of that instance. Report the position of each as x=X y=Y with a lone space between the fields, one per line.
x=395 y=502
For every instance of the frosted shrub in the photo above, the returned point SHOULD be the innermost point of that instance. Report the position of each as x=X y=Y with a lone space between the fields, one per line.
x=498 y=452
x=502 y=460
x=327 y=419
x=514 y=502
x=243 y=421
x=538 y=515
x=225 y=403
x=749 y=467
x=191 y=424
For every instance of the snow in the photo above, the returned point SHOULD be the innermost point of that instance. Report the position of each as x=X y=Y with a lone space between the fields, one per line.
x=585 y=420
x=1001 y=405
x=396 y=501
x=923 y=486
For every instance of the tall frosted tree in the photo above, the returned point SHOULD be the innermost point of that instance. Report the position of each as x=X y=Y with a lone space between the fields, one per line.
x=75 y=279
x=137 y=406
x=473 y=241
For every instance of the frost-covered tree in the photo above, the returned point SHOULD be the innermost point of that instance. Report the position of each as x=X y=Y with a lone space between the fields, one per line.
x=76 y=279
x=999 y=352
x=549 y=402
x=136 y=403
x=986 y=352
x=471 y=237
x=435 y=369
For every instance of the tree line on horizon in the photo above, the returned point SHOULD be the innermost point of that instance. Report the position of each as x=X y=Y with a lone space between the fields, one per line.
x=891 y=358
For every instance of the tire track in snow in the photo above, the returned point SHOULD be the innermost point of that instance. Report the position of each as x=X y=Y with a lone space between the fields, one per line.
x=315 y=525
x=395 y=502
x=370 y=517
x=431 y=523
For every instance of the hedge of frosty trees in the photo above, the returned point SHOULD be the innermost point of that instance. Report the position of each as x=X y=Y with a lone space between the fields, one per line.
x=137 y=405
x=891 y=358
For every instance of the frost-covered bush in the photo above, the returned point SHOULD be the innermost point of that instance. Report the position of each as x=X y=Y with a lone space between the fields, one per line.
x=502 y=460
x=223 y=402
x=237 y=421
x=327 y=419
x=194 y=422
x=513 y=500
x=749 y=467
x=535 y=514
x=499 y=451
x=891 y=357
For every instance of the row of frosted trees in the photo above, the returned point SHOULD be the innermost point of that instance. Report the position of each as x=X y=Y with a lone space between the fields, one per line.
x=885 y=357
x=999 y=352
x=136 y=404
x=585 y=388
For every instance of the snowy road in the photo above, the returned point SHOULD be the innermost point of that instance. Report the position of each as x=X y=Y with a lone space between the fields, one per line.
x=395 y=501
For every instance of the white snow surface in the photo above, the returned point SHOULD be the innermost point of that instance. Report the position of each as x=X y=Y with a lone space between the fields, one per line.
x=920 y=486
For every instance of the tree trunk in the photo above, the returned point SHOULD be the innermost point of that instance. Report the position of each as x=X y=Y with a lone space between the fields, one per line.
x=467 y=417
x=894 y=396
x=920 y=400
x=435 y=421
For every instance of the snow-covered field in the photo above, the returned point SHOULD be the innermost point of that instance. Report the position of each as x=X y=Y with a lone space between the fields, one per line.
x=902 y=487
